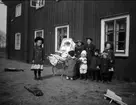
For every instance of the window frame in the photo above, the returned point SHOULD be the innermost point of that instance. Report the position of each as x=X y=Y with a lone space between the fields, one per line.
x=56 y=40
x=16 y=11
x=41 y=30
x=17 y=47
x=37 y=6
x=103 y=40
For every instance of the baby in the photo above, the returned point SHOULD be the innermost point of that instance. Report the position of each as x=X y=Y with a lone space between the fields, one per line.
x=83 y=65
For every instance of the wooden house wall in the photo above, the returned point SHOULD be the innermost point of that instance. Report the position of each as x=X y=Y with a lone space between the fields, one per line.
x=94 y=11
x=15 y=25
x=56 y=14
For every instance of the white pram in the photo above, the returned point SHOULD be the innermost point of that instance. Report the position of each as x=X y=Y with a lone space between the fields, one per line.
x=60 y=56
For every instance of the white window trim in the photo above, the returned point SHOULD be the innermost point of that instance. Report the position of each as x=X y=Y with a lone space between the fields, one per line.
x=56 y=34
x=19 y=46
x=39 y=31
x=126 y=54
x=35 y=32
x=37 y=4
x=18 y=5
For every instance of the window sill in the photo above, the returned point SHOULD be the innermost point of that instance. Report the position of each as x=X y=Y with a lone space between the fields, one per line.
x=37 y=8
x=121 y=55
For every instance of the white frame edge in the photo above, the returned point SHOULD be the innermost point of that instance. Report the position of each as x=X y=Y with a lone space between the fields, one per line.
x=56 y=34
x=20 y=4
x=16 y=48
x=127 y=34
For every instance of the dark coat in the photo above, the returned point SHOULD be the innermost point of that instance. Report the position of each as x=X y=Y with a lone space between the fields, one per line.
x=70 y=67
x=38 y=55
x=111 y=56
x=78 y=50
x=95 y=62
x=90 y=50
x=105 y=65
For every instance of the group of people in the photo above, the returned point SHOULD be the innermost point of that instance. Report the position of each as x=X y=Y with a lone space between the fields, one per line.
x=84 y=62
x=90 y=63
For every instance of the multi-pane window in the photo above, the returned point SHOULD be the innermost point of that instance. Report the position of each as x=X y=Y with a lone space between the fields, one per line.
x=18 y=10
x=37 y=3
x=116 y=30
x=17 y=41
x=39 y=33
x=61 y=32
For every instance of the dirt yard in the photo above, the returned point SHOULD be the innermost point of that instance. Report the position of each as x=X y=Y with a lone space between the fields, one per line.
x=57 y=91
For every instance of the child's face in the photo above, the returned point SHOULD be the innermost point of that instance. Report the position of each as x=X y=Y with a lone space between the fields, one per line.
x=104 y=56
x=108 y=46
x=79 y=43
x=39 y=43
x=89 y=41
x=83 y=55
x=96 y=53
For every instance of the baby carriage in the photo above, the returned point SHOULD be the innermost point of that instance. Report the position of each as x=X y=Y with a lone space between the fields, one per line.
x=58 y=59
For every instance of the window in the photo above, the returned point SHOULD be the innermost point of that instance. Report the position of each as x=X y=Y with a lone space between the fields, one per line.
x=18 y=10
x=116 y=30
x=17 y=41
x=37 y=3
x=39 y=33
x=60 y=33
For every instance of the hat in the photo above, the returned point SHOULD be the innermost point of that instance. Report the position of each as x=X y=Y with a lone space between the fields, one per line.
x=84 y=52
x=39 y=38
x=89 y=38
x=108 y=42
x=79 y=41
x=71 y=53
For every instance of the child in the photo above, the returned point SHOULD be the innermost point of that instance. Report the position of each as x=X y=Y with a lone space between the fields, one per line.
x=70 y=65
x=78 y=50
x=105 y=66
x=95 y=66
x=38 y=58
x=110 y=52
x=83 y=65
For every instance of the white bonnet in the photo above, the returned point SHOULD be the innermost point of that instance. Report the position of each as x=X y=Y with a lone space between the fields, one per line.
x=84 y=52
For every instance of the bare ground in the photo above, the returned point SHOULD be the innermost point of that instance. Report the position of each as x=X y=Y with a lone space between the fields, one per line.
x=57 y=91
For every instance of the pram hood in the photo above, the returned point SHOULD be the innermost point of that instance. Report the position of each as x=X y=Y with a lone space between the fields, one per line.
x=67 y=45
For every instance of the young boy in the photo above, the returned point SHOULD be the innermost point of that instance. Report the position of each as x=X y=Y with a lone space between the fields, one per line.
x=105 y=66
x=94 y=68
x=111 y=57
x=78 y=50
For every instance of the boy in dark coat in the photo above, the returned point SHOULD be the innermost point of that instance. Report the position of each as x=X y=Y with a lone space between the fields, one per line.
x=111 y=57
x=94 y=70
x=105 y=66
x=70 y=65
x=78 y=50
x=38 y=58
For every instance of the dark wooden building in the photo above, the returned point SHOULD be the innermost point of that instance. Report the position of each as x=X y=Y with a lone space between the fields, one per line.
x=54 y=19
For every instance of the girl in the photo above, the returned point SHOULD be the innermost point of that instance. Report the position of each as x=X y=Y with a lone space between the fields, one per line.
x=70 y=65
x=38 y=58
x=83 y=65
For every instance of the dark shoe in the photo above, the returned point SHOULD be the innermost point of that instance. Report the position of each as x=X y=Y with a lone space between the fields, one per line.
x=82 y=76
x=39 y=78
x=35 y=78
